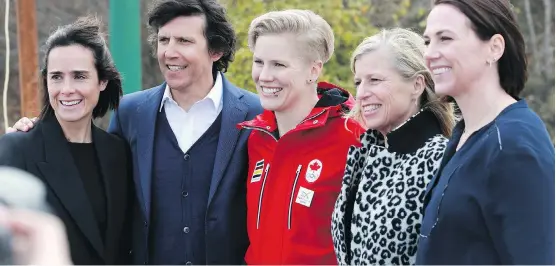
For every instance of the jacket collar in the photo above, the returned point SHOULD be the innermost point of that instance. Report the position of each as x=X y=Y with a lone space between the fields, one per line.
x=267 y=120
x=460 y=126
x=408 y=137
x=61 y=174
x=53 y=128
x=333 y=102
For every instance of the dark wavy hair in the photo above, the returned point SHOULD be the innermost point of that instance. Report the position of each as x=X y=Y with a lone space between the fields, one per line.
x=490 y=17
x=86 y=32
x=219 y=32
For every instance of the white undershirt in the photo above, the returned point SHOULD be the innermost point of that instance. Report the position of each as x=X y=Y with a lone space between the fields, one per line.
x=189 y=126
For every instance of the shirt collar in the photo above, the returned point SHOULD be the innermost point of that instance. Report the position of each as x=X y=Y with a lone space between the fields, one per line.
x=215 y=94
x=408 y=137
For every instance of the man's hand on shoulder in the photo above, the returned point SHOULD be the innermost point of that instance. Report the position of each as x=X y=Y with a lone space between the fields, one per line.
x=24 y=124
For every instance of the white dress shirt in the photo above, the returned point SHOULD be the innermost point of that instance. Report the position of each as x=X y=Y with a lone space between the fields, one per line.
x=189 y=126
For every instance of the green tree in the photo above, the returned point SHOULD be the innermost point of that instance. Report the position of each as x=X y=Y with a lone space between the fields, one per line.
x=348 y=19
x=353 y=20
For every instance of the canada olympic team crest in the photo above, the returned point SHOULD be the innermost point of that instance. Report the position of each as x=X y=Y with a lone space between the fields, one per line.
x=313 y=171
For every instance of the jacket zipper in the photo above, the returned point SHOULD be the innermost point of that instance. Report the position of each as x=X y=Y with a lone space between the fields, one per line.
x=292 y=195
x=262 y=130
x=314 y=116
x=270 y=134
x=261 y=196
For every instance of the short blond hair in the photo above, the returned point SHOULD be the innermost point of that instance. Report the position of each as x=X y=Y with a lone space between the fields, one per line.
x=314 y=31
x=406 y=48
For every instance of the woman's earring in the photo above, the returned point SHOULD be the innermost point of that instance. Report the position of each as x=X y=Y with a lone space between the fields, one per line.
x=490 y=62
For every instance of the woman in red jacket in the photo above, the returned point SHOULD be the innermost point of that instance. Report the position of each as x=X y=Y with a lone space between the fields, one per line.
x=298 y=145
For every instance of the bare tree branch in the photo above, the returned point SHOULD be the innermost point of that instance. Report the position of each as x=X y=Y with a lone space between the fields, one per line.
x=547 y=53
x=532 y=34
x=345 y=4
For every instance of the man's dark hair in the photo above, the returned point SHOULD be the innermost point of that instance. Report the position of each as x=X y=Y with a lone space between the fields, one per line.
x=85 y=32
x=219 y=32
x=490 y=17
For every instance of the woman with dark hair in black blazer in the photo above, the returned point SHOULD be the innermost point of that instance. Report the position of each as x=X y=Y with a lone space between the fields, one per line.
x=84 y=168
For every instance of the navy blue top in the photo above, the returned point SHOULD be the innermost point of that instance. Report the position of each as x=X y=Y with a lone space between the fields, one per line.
x=493 y=200
x=180 y=189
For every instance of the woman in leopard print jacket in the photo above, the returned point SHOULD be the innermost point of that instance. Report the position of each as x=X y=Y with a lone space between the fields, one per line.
x=378 y=213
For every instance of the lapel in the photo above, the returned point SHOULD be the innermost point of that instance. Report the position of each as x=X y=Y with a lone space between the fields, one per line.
x=110 y=170
x=62 y=176
x=146 y=119
x=234 y=111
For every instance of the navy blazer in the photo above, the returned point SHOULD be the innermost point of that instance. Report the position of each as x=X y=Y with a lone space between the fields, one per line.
x=226 y=226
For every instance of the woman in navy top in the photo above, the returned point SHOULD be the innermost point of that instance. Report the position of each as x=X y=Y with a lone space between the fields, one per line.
x=493 y=199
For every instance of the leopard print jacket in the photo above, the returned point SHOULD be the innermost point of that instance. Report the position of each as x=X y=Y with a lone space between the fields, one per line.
x=377 y=216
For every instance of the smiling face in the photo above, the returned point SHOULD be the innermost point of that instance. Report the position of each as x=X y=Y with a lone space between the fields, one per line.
x=280 y=72
x=384 y=97
x=455 y=55
x=72 y=82
x=182 y=52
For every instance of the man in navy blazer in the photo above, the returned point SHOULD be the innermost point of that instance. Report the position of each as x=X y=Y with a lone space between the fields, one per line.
x=189 y=158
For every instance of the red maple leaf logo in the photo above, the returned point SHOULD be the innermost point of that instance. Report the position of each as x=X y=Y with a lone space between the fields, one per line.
x=315 y=166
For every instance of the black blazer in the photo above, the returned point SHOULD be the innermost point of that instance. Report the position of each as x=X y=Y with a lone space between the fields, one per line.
x=44 y=152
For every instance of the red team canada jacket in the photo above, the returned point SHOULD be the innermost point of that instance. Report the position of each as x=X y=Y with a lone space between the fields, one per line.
x=294 y=181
